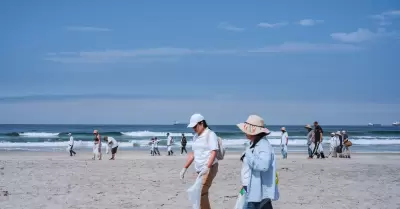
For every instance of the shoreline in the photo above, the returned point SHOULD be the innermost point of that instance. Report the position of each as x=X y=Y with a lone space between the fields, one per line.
x=229 y=153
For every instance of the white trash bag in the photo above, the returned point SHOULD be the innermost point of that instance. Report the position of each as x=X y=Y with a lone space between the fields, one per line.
x=67 y=149
x=241 y=200
x=194 y=192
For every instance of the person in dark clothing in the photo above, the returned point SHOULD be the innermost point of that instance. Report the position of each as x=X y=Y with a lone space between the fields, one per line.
x=183 y=144
x=318 y=137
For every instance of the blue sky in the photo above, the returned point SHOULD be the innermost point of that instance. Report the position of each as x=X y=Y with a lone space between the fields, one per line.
x=292 y=62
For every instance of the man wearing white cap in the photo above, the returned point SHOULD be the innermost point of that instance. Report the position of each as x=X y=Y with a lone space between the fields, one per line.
x=284 y=142
x=71 y=145
x=205 y=146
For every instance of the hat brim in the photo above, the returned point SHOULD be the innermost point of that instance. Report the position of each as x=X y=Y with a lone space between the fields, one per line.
x=252 y=130
x=191 y=125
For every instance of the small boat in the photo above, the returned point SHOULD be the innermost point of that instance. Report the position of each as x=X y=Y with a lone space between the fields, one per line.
x=176 y=123
x=397 y=123
x=374 y=124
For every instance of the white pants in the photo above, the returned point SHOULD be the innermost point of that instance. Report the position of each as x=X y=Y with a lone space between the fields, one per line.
x=169 y=148
x=320 y=148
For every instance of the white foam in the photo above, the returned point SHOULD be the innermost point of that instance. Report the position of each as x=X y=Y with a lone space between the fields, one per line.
x=152 y=134
x=275 y=133
x=229 y=143
x=38 y=134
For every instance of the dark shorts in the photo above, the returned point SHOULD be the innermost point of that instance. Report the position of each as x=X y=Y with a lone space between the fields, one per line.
x=114 y=150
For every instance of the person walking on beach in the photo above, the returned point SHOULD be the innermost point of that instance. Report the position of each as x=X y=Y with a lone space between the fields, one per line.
x=97 y=143
x=183 y=144
x=310 y=139
x=71 y=145
x=170 y=141
x=259 y=165
x=284 y=142
x=333 y=144
x=156 y=151
x=113 y=144
x=318 y=136
x=204 y=156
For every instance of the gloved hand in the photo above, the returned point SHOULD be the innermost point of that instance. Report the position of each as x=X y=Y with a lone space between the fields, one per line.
x=182 y=173
x=204 y=171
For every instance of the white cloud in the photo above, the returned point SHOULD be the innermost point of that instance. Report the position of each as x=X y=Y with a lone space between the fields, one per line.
x=227 y=26
x=361 y=35
x=385 y=18
x=87 y=29
x=271 y=25
x=168 y=54
x=309 y=22
x=306 y=47
x=392 y=13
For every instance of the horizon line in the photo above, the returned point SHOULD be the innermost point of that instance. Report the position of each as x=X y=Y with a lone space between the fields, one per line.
x=181 y=124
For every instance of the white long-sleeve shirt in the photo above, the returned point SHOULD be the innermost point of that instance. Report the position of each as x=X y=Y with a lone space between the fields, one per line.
x=71 y=141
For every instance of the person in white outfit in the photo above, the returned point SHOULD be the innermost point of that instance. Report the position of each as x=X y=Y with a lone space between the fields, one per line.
x=71 y=145
x=156 y=151
x=170 y=141
x=284 y=142
x=333 y=144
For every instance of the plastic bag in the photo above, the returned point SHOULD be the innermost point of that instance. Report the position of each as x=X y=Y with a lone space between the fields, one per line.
x=67 y=149
x=107 y=149
x=194 y=192
x=241 y=200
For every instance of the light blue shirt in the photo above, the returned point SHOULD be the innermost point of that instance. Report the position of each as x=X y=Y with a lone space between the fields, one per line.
x=261 y=160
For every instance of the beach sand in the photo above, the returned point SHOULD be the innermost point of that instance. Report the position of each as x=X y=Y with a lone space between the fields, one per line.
x=136 y=180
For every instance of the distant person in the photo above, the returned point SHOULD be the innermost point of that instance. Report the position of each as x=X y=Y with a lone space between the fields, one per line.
x=71 y=145
x=97 y=142
x=347 y=144
x=170 y=141
x=151 y=144
x=156 y=151
x=318 y=137
x=183 y=144
x=113 y=144
x=284 y=142
x=339 y=149
x=310 y=140
x=333 y=144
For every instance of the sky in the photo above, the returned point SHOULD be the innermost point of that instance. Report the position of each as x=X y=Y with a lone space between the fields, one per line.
x=154 y=62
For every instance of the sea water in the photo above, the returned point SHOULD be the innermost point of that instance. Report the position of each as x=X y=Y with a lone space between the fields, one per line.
x=133 y=137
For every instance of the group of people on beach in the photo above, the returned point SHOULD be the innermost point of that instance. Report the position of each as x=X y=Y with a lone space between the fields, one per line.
x=112 y=145
x=170 y=141
x=339 y=143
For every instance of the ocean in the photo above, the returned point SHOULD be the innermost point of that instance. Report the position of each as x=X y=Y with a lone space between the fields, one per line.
x=54 y=137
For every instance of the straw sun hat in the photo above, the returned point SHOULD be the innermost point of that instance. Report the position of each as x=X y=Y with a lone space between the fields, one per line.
x=253 y=125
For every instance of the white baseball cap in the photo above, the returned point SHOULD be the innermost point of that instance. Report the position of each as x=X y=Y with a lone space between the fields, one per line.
x=195 y=119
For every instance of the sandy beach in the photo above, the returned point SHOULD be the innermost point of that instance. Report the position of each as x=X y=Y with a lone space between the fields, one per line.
x=38 y=180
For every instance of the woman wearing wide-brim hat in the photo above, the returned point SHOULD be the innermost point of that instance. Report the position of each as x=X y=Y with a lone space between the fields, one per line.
x=259 y=167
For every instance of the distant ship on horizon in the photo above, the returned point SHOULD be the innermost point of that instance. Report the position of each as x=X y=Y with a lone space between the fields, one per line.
x=397 y=123
x=176 y=123
x=374 y=124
